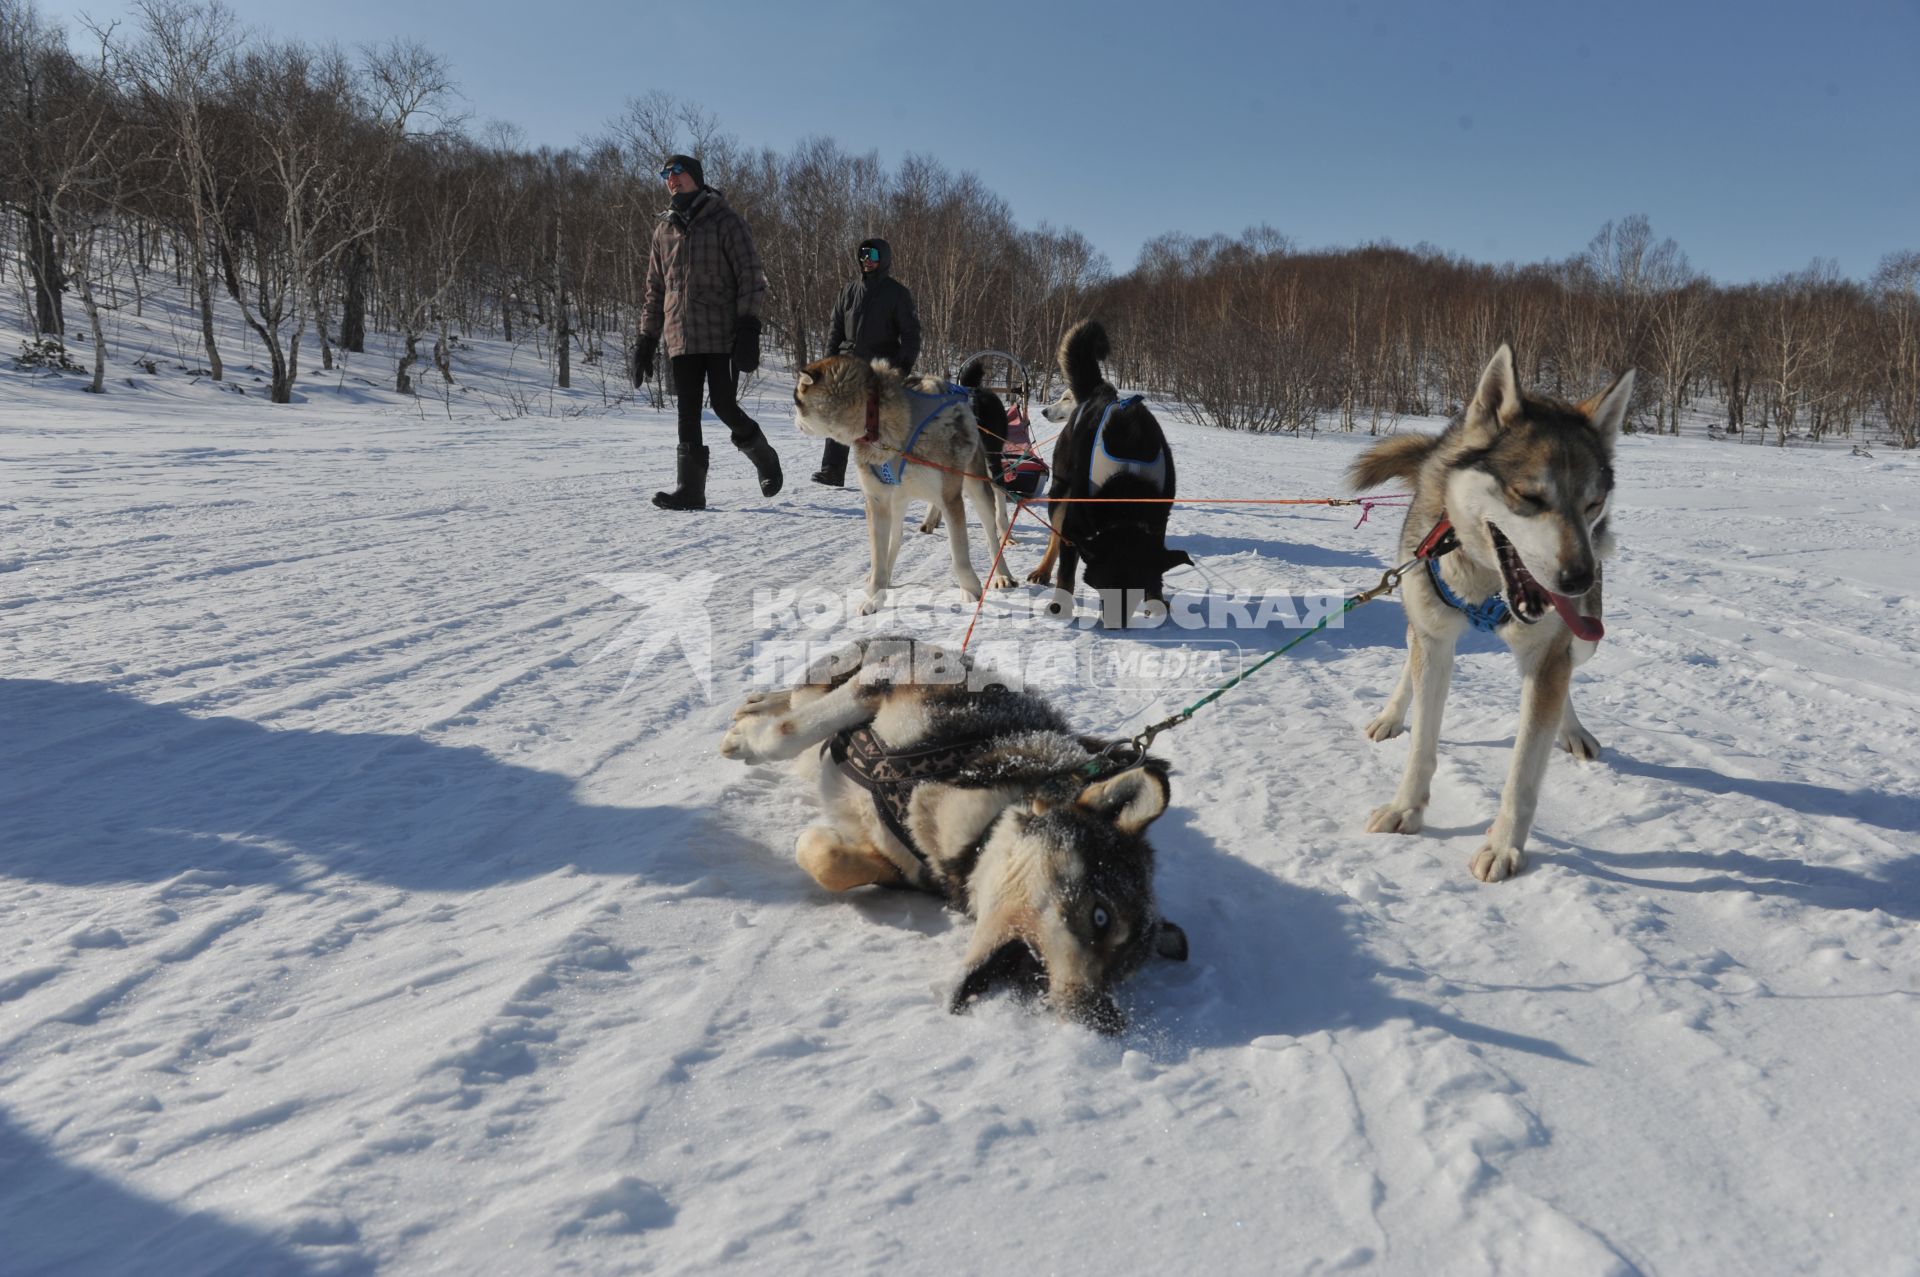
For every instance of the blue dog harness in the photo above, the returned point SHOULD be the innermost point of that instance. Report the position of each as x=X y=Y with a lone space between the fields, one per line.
x=1487 y=615
x=892 y=471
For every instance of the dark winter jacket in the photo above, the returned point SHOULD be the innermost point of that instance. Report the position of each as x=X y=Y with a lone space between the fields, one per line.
x=874 y=318
x=703 y=278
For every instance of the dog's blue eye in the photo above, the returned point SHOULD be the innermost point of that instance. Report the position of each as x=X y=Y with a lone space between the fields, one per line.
x=1100 y=918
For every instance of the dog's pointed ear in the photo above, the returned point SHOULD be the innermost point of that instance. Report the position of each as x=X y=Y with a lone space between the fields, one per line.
x=1175 y=559
x=1170 y=941
x=1132 y=800
x=806 y=379
x=1497 y=400
x=1014 y=965
x=1608 y=409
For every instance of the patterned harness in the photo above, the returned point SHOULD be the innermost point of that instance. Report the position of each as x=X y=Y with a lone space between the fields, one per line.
x=890 y=775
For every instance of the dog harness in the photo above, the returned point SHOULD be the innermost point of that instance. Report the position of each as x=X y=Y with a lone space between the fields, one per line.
x=1104 y=465
x=1488 y=614
x=890 y=775
x=894 y=469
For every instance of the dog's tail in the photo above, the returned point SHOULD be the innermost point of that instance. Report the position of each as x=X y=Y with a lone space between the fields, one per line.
x=1081 y=351
x=1397 y=458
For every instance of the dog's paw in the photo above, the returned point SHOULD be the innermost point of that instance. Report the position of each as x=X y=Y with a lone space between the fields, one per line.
x=1386 y=727
x=930 y=525
x=1495 y=863
x=1395 y=820
x=1000 y=580
x=871 y=605
x=1580 y=743
x=735 y=744
x=763 y=703
x=1040 y=576
x=758 y=739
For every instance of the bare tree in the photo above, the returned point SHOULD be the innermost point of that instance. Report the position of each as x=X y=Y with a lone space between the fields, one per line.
x=1897 y=286
x=173 y=70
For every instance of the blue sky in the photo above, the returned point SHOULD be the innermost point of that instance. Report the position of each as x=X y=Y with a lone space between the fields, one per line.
x=1757 y=135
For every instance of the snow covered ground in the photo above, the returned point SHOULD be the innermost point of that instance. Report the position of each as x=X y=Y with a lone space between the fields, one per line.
x=372 y=897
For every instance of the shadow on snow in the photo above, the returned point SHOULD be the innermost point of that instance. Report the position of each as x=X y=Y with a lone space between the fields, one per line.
x=101 y=787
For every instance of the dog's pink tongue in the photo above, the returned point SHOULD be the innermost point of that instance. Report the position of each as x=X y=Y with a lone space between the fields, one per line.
x=1583 y=627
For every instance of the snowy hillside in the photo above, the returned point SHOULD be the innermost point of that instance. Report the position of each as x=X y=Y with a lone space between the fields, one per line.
x=373 y=898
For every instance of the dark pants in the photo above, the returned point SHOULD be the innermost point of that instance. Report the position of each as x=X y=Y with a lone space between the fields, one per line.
x=716 y=371
x=833 y=459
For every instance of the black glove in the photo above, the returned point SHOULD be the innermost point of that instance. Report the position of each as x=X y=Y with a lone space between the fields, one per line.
x=643 y=352
x=746 y=345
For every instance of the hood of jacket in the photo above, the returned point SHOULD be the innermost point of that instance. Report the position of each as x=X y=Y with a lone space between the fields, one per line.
x=886 y=259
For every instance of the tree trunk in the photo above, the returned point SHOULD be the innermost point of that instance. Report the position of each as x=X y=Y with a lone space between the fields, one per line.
x=320 y=329
x=563 y=336
x=87 y=302
x=402 y=382
x=43 y=260
x=353 y=323
x=203 y=292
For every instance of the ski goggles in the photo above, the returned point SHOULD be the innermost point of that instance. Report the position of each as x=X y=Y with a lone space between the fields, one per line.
x=671 y=170
x=869 y=254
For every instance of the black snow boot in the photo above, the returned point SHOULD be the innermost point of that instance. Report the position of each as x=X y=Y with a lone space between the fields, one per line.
x=765 y=460
x=690 y=464
x=833 y=465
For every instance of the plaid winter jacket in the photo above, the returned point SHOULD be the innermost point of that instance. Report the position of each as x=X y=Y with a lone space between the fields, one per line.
x=703 y=277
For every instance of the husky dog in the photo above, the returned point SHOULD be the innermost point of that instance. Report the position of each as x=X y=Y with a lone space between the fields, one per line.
x=1114 y=448
x=931 y=776
x=1525 y=481
x=875 y=410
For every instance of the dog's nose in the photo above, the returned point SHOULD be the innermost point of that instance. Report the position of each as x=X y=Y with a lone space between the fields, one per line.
x=1574 y=581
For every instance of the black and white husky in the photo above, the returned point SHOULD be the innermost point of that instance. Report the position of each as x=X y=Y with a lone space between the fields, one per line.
x=931 y=776
x=1113 y=449
x=1526 y=483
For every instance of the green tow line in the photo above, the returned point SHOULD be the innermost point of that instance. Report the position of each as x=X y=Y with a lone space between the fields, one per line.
x=1124 y=755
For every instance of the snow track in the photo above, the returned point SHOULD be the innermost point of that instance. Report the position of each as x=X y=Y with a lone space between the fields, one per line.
x=366 y=904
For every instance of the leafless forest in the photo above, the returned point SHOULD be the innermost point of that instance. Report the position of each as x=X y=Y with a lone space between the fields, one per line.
x=327 y=194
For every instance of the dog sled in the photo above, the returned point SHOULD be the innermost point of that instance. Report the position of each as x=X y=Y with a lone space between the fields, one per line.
x=1016 y=466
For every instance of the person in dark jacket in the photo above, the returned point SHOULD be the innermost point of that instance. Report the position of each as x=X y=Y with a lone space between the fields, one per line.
x=704 y=292
x=874 y=319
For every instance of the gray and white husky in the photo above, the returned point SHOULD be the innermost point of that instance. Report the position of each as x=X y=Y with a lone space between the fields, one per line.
x=1526 y=483
x=932 y=776
x=867 y=406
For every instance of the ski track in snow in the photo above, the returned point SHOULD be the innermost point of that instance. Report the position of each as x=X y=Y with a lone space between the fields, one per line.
x=356 y=913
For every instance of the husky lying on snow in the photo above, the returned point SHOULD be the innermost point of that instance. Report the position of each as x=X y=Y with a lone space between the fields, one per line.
x=931 y=778
x=1525 y=482
x=1111 y=448
x=884 y=418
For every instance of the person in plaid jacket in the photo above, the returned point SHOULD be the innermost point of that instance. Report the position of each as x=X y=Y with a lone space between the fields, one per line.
x=704 y=290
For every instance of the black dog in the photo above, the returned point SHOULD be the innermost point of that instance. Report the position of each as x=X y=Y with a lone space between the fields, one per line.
x=1112 y=448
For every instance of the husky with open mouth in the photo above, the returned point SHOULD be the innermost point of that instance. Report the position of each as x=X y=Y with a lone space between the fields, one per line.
x=932 y=776
x=1526 y=484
